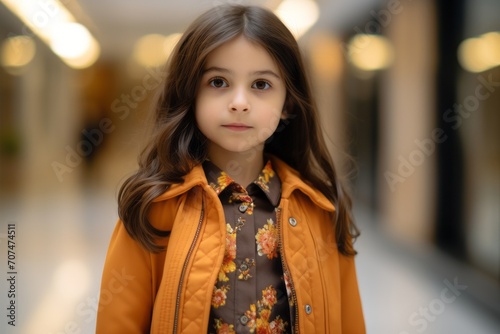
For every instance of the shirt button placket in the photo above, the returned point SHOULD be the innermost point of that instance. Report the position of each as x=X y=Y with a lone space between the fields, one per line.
x=244 y=320
x=243 y=208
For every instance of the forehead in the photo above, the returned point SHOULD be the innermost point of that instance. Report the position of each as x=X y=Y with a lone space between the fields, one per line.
x=241 y=53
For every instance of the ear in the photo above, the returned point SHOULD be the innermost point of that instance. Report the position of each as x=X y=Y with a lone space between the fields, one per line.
x=286 y=106
x=284 y=115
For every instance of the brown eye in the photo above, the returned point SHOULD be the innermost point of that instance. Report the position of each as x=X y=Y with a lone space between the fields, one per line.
x=261 y=85
x=218 y=83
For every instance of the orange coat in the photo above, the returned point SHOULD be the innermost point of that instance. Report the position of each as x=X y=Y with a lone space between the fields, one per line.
x=171 y=292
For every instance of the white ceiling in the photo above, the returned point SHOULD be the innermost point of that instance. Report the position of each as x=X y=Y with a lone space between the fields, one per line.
x=117 y=24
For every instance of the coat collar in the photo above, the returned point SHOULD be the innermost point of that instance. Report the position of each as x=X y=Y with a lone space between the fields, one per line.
x=290 y=182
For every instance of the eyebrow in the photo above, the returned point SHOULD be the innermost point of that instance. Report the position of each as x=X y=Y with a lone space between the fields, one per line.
x=225 y=70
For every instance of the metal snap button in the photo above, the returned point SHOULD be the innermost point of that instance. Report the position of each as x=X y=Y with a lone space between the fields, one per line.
x=308 y=309
x=243 y=208
x=292 y=221
x=244 y=319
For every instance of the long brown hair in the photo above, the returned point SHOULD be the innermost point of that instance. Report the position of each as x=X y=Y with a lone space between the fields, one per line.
x=177 y=145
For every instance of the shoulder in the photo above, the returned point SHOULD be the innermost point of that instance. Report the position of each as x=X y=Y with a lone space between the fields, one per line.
x=164 y=208
x=295 y=188
x=196 y=177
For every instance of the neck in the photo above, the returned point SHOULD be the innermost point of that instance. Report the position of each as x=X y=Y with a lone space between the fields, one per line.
x=243 y=168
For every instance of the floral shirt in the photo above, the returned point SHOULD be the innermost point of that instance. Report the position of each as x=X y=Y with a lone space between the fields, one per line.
x=250 y=294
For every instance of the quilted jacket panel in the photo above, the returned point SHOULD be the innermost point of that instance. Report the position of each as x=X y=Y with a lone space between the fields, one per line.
x=173 y=289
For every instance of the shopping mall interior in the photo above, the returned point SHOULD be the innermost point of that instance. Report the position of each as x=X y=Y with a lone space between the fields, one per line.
x=409 y=98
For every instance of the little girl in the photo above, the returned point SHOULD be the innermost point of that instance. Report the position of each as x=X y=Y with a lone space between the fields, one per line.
x=235 y=221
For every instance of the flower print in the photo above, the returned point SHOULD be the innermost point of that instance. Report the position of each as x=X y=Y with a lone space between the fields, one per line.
x=269 y=296
x=244 y=199
x=230 y=242
x=239 y=194
x=240 y=223
x=228 y=265
x=262 y=326
x=219 y=296
x=265 y=176
x=245 y=274
x=250 y=208
x=252 y=316
x=277 y=326
x=224 y=180
x=259 y=315
x=268 y=171
x=262 y=184
x=223 y=328
x=288 y=286
x=267 y=240
x=264 y=314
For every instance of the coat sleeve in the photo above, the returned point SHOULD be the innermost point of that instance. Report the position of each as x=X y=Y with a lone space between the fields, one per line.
x=127 y=293
x=352 y=312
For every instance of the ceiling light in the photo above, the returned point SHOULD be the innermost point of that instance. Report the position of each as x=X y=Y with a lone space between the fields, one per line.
x=298 y=15
x=17 y=52
x=481 y=53
x=370 y=52
x=326 y=55
x=57 y=28
x=154 y=49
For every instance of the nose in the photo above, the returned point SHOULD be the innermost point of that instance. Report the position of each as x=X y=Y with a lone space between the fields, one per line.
x=239 y=101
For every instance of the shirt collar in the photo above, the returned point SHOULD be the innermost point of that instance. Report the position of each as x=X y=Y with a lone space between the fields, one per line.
x=268 y=181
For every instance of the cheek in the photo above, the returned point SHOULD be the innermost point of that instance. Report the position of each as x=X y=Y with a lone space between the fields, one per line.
x=274 y=121
x=200 y=117
x=199 y=113
x=278 y=110
x=269 y=123
x=202 y=108
x=205 y=104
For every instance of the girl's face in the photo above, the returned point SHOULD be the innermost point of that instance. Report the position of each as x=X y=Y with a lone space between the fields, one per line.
x=240 y=98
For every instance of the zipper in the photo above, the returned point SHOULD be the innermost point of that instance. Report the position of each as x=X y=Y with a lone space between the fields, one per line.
x=183 y=273
x=285 y=266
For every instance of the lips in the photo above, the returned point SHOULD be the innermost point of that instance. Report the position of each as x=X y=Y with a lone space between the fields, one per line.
x=237 y=126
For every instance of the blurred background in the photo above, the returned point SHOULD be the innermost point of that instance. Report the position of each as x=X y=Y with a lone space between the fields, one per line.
x=409 y=89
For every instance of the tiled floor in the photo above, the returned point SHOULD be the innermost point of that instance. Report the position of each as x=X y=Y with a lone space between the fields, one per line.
x=62 y=238
x=404 y=293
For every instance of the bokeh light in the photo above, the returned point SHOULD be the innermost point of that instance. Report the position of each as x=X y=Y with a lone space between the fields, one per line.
x=481 y=53
x=298 y=15
x=370 y=52
x=154 y=49
x=17 y=52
